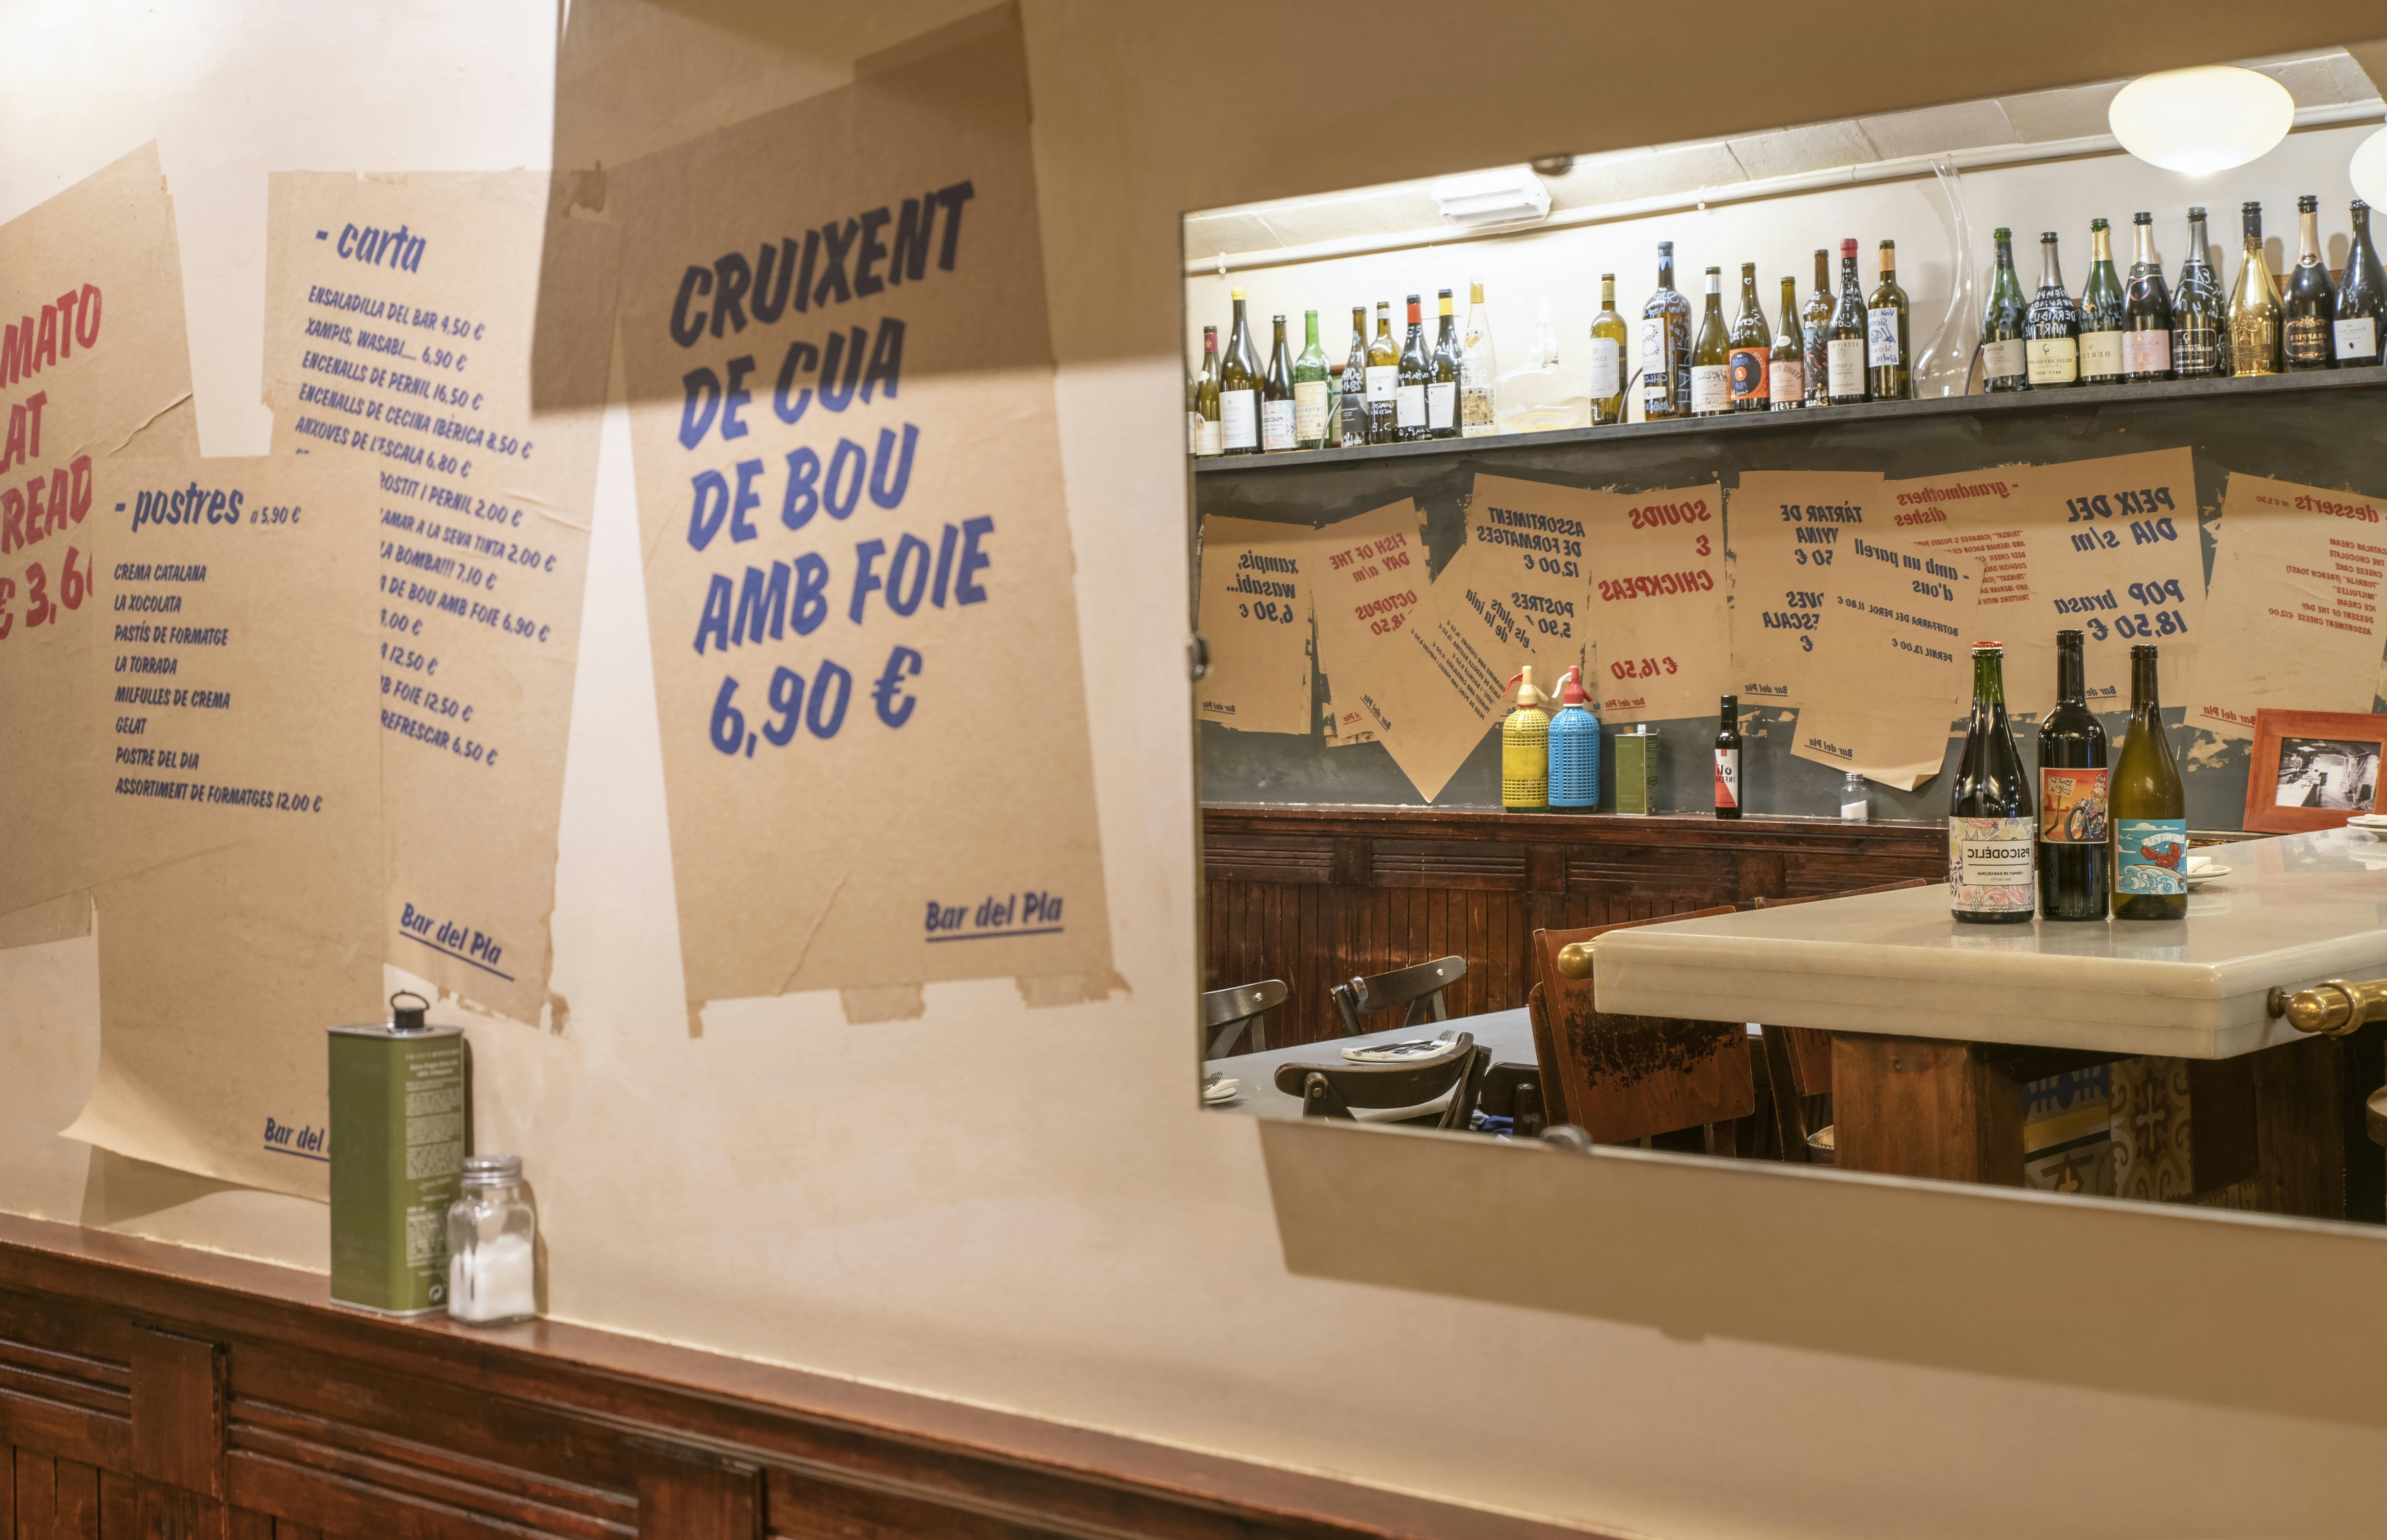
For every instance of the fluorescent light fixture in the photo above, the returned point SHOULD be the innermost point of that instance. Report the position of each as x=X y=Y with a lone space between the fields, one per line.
x=1512 y=195
x=2204 y=119
x=2368 y=169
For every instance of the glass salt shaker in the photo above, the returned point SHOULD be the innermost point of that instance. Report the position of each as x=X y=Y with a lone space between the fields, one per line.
x=492 y=1246
x=1852 y=798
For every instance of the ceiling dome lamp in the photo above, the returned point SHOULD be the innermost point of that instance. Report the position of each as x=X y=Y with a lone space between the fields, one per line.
x=2368 y=169
x=2201 y=120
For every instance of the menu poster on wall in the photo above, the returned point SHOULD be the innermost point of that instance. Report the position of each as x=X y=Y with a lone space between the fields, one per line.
x=1658 y=608
x=399 y=320
x=93 y=357
x=2296 y=623
x=1893 y=668
x=1520 y=570
x=1397 y=674
x=1787 y=528
x=1255 y=617
x=859 y=574
x=238 y=806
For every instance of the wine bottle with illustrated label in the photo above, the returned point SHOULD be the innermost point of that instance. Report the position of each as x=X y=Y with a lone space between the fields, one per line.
x=1845 y=353
x=1276 y=396
x=1711 y=355
x=2002 y=368
x=1887 y=376
x=2361 y=296
x=1727 y=757
x=1786 y=371
x=2101 y=311
x=1354 y=404
x=1991 y=823
x=1666 y=346
x=2146 y=308
x=1752 y=347
x=1383 y=378
x=2308 y=310
x=1478 y=368
x=1815 y=319
x=2051 y=326
x=1239 y=387
x=1608 y=339
x=2150 y=809
x=1416 y=373
x=2073 y=829
x=1312 y=386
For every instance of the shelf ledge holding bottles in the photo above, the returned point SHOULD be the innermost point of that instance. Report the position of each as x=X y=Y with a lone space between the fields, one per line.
x=2033 y=401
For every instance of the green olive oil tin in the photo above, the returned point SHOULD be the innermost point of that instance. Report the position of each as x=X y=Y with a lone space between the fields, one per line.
x=398 y=1153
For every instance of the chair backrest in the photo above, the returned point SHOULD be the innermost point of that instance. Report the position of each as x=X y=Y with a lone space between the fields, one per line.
x=1545 y=1056
x=1810 y=1049
x=1335 y=1089
x=1515 y=1092
x=1419 y=987
x=1226 y=1012
x=1626 y=1076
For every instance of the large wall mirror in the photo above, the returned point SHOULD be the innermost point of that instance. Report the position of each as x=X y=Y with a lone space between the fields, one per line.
x=1857 y=646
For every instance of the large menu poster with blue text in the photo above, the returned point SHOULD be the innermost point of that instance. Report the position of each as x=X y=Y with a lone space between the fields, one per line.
x=858 y=567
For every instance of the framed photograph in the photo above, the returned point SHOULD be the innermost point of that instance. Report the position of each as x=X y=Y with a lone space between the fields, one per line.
x=2312 y=770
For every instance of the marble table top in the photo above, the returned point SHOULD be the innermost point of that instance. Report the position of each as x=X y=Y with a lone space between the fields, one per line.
x=2293 y=910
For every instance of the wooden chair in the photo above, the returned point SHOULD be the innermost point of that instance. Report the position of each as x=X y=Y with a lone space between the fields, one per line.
x=1419 y=988
x=1546 y=1057
x=1225 y=1013
x=1515 y=1092
x=1799 y=1059
x=1626 y=1078
x=1338 y=1090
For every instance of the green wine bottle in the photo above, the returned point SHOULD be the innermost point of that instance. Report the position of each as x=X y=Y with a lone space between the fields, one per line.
x=2101 y=311
x=1239 y=387
x=1786 y=371
x=1312 y=389
x=2361 y=295
x=1608 y=339
x=1887 y=374
x=1209 y=437
x=2308 y=309
x=1276 y=397
x=2150 y=809
x=1442 y=391
x=1711 y=355
x=2003 y=351
x=1352 y=399
x=1991 y=821
x=1815 y=320
x=1845 y=353
x=1416 y=366
x=1752 y=347
x=1384 y=379
x=2073 y=832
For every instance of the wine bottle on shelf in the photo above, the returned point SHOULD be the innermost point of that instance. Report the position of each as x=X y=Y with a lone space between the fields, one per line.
x=1608 y=339
x=1477 y=370
x=1845 y=353
x=2149 y=810
x=1752 y=347
x=1887 y=376
x=1415 y=369
x=1313 y=388
x=1276 y=397
x=2101 y=311
x=1711 y=355
x=1383 y=378
x=1442 y=391
x=2073 y=832
x=2308 y=310
x=1239 y=387
x=1352 y=402
x=1991 y=823
x=2002 y=348
x=1727 y=757
x=2146 y=308
x=2051 y=326
x=2254 y=304
x=2200 y=327
x=1815 y=320
x=2361 y=296
x=1786 y=370
x=1666 y=346
x=1209 y=438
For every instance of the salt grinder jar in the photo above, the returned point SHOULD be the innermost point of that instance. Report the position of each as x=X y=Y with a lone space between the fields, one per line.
x=492 y=1243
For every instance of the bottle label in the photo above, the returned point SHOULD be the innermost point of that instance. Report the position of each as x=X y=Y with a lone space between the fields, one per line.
x=1310 y=411
x=1786 y=380
x=1710 y=387
x=1239 y=412
x=1881 y=338
x=2307 y=340
x=1475 y=419
x=2146 y=352
x=2196 y=349
x=2072 y=805
x=1727 y=777
x=2254 y=345
x=1607 y=368
x=1408 y=406
x=1208 y=438
x=2101 y=354
x=2357 y=340
x=1653 y=346
x=1352 y=407
x=1819 y=368
x=2053 y=360
x=1992 y=866
x=1276 y=426
x=2002 y=361
x=2151 y=855
x=1747 y=368
x=1441 y=405
x=1848 y=368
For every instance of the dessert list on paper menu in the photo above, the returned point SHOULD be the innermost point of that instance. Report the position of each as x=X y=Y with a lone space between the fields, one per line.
x=399 y=339
x=2296 y=583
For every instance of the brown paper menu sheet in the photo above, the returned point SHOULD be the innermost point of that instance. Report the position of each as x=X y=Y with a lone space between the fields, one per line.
x=875 y=729
x=1891 y=667
x=399 y=329
x=1522 y=572
x=1379 y=644
x=237 y=823
x=1257 y=581
x=1658 y=614
x=2293 y=618
x=1787 y=528
x=93 y=357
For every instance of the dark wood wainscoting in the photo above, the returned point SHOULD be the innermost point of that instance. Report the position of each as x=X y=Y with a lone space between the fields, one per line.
x=1314 y=895
x=152 y=1393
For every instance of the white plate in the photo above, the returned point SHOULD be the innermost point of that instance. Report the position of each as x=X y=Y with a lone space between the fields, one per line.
x=1406 y=1051
x=2199 y=878
x=1224 y=1091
